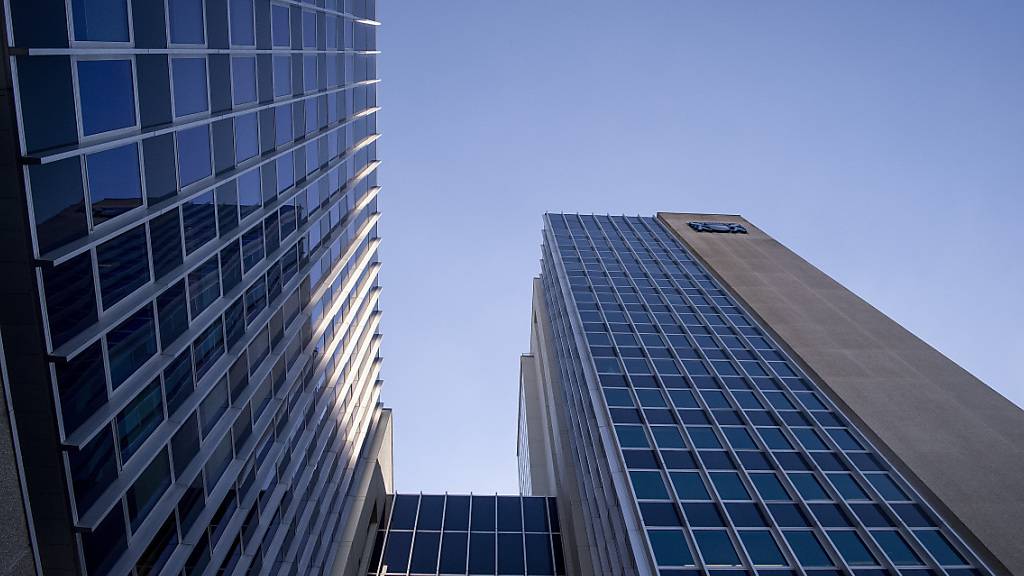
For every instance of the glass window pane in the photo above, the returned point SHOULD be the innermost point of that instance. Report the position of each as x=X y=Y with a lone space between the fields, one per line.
x=431 y=510
x=648 y=485
x=847 y=487
x=762 y=548
x=670 y=548
x=243 y=78
x=130 y=344
x=939 y=547
x=456 y=513
x=204 y=285
x=481 y=553
x=82 y=386
x=247 y=139
x=93 y=468
x=186 y=19
x=482 y=513
x=70 y=298
x=115 y=185
x=242 y=33
x=886 y=487
x=851 y=548
x=807 y=549
x=282 y=76
x=280 y=25
x=172 y=310
x=403 y=513
x=139 y=419
x=200 y=219
x=178 y=380
x=123 y=265
x=729 y=486
x=103 y=546
x=716 y=548
x=538 y=555
x=100 y=20
x=510 y=553
x=535 y=514
x=808 y=487
x=510 y=515
x=396 y=551
x=190 y=91
x=227 y=207
x=689 y=486
x=208 y=347
x=896 y=548
x=106 y=94
x=148 y=489
x=769 y=487
x=250 y=198
x=58 y=201
x=194 y=161
x=453 y=552
x=165 y=239
x=424 y=553
x=213 y=406
x=252 y=248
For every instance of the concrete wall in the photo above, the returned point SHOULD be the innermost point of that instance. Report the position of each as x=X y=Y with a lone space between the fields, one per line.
x=961 y=440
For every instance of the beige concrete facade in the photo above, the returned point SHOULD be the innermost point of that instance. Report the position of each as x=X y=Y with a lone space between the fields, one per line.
x=960 y=440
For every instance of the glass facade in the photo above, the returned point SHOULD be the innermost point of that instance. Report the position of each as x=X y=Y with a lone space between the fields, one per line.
x=201 y=185
x=719 y=450
x=468 y=534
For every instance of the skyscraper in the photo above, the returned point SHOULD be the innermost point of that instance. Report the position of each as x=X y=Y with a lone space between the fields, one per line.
x=189 y=308
x=702 y=400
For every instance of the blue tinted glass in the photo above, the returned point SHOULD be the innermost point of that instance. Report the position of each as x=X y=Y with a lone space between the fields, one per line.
x=106 y=543
x=689 y=486
x=186 y=18
x=165 y=239
x=279 y=25
x=204 y=286
x=282 y=75
x=481 y=553
x=194 y=162
x=538 y=555
x=58 y=201
x=703 y=437
x=82 y=386
x=283 y=125
x=285 y=172
x=208 y=347
x=535 y=514
x=100 y=20
x=213 y=406
x=482 y=513
x=403 y=512
x=200 y=218
x=106 y=94
x=139 y=419
x=431 y=510
x=845 y=440
x=631 y=436
x=808 y=550
x=309 y=79
x=396 y=552
x=705 y=515
x=190 y=95
x=896 y=548
x=308 y=29
x=424 y=553
x=456 y=513
x=148 y=489
x=115 y=185
x=227 y=207
x=510 y=553
x=250 y=198
x=70 y=298
x=123 y=265
x=648 y=485
x=847 y=487
x=762 y=548
x=172 y=310
x=670 y=548
x=716 y=548
x=851 y=548
x=252 y=248
x=939 y=547
x=739 y=438
x=453 y=553
x=830 y=515
x=510 y=515
x=769 y=487
x=667 y=437
x=178 y=380
x=247 y=142
x=808 y=487
x=243 y=78
x=886 y=487
x=242 y=33
x=93 y=468
x=729 y=486
x=774 y=438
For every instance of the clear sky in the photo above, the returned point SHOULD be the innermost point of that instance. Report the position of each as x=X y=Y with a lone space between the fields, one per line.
x=882 y=141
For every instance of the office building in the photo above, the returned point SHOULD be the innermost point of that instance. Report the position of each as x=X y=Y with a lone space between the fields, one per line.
x=189 y=307
x=703 y=401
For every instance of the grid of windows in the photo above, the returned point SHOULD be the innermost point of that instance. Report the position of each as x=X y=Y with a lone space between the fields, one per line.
x=468 y=534
x=737 y=462
x=203 y=191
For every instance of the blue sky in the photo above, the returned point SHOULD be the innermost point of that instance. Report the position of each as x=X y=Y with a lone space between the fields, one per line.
x=882 y=141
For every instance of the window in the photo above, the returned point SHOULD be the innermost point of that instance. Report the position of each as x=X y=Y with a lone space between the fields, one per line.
x=230 y=266
x=165 y=238
x=282 y=75
x=70 y=298
x=252 y=248
x=82 y=387
x=895 y=547
x=208 y=347
x=762 y=548
x=186 y=21
x=243 y=79
x=631 y=436
x=172 y=310
x=729 y=486
x=148 y=488
x=308 y=29
x=424 y=553
x=886 y=487
x=844 y=439
x=279 y=25
x=200 y=218
x=481 y=553
x=242 y=33
x=130 y=344
x=847 y=487
x=648 y=485
x=255 y=299
x=510 y=553
x=807 y=549
x=190 y=87
x=283 y=125
x=139 y=419
x=309 y=79
x=194 y=161
x=204 y=286
x=456 y=513
x=58 y=200
x=939 y=547
x=285 y=172
x=227 y=207
x=106 y=543
x=483 y=515
x=510 y=516
x=106 y=95
x=247 y=138
x=214 y=406
x=808 y=487
x=670 y=548
x=93 y=468
x=716 y=548
x=115 y=186
x=851 y=548
x=769 y=487
x=123 y=265
x=178 y=381
x=453 y=553
x=100 y=20
x=250 y=198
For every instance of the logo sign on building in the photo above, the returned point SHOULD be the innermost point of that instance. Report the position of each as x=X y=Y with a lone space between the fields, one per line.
x=718 y=227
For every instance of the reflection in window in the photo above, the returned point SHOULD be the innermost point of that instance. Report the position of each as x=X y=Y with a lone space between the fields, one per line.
x=200 y=218
x=279 y=25
x=208 y=347
x=194 y=162
x=106 y=94
x=139 y=419
x=165 y=238
x=93 y=468
x=242 y=33
x=58 y=201
x=282 y=75
x=70 y=298
x=186 y=21
x=250 y=197
x=148 y=488
x=204 y=286
x=130 y=344
x=190 y=87
x=106 y=543
x=115 y=185
x=247 y=142
x=243 y=79
x=100 y=20
x=123 y=263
